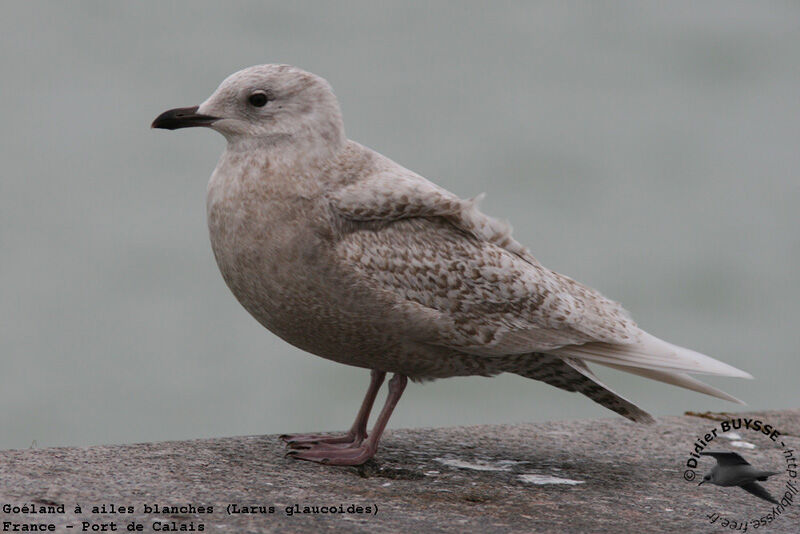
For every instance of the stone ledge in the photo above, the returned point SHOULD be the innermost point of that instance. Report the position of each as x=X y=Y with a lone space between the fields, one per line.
x=606 y=475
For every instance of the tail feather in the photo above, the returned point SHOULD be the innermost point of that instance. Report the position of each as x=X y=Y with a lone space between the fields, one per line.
x=571 y=374
x=650 y=357
x=649 y=352
x=677 y=379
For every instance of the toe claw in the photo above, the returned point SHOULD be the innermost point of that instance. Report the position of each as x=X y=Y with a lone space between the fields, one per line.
x=294 y=443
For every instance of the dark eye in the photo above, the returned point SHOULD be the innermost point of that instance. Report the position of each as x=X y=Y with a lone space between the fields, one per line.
x=258 y=99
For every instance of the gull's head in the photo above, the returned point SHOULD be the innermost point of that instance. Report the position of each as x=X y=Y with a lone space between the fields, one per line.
x=266 y=105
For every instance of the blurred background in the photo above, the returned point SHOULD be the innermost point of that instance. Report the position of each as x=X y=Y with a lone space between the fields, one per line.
x=649 y=150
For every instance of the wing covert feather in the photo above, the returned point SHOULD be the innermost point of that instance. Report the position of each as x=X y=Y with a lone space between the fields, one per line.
x=491 y=301
x=458 y=279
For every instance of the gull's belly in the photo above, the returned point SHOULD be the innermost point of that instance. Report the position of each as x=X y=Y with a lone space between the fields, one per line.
x=298 y=294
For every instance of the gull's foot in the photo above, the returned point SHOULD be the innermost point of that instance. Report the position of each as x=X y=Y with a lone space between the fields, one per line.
x=354 y=448
x=322 y=441
x=354 y=454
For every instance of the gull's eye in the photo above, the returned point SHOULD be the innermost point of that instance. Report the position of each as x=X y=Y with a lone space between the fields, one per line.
x=258 y=99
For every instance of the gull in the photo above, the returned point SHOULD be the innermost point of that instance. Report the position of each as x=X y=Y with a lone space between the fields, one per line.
x=733 y=470
x=346 y=254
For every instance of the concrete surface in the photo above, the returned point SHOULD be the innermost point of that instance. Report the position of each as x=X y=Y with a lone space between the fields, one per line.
x=605 y=475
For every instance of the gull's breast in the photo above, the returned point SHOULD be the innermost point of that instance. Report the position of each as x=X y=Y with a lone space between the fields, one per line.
x=275 y=254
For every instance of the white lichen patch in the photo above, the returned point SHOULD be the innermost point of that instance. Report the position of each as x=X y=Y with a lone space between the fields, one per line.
x=547 y=479
x=477 y=465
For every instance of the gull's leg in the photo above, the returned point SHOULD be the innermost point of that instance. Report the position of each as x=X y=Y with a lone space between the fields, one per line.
x=356 y=434
x=357 y=453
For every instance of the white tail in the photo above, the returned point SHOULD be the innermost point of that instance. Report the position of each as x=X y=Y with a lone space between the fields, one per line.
x=659 y=360
x=677 y=379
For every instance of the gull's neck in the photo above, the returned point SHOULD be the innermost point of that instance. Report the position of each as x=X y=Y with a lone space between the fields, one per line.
x=279 y=166
x=287 y=153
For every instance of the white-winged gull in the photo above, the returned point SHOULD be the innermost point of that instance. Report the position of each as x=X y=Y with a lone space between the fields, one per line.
x=348 y=255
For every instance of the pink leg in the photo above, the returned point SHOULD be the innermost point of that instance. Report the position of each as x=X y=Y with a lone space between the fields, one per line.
x=356 y=434
x=357 y=453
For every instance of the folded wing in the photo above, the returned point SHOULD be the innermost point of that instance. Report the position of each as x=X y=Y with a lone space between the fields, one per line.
x=484 y=293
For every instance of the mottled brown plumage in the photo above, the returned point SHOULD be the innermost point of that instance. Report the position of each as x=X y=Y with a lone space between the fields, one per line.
x=346 y=254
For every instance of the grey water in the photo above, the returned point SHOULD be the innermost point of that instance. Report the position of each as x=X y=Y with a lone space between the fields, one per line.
x=649 y=150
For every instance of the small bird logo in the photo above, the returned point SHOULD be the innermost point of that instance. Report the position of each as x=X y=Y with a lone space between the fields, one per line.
x=733 y=470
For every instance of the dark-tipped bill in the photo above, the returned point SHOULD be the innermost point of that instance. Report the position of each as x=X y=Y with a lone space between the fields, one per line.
x=182 y=118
